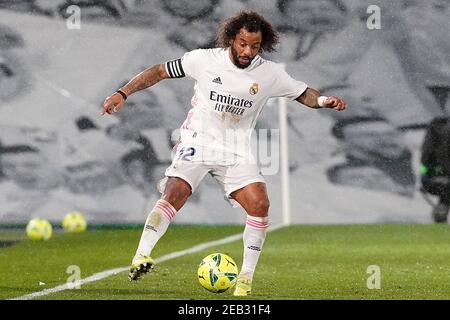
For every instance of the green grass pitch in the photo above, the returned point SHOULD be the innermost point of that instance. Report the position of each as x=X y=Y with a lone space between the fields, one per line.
x=297 y=262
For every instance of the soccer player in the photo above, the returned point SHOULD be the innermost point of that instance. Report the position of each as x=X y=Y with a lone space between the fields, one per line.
x=232 y=84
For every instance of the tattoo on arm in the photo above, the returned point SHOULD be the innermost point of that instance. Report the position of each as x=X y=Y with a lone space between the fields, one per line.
x=309 y=98
x=145 y=79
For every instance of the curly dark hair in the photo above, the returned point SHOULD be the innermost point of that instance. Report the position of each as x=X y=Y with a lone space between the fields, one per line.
x=252 y=22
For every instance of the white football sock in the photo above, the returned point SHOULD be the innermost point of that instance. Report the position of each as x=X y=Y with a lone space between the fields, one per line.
x=156 y=225
x=254 y=235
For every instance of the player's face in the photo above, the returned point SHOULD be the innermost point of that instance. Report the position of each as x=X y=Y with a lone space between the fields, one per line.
x=245 y=47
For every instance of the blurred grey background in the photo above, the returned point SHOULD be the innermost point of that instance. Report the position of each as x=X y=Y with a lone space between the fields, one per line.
x=57 y=154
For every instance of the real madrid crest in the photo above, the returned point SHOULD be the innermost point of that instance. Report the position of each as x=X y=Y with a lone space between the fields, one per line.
x=254 y=88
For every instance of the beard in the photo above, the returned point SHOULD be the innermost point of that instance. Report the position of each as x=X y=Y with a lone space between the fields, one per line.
x=236 y=61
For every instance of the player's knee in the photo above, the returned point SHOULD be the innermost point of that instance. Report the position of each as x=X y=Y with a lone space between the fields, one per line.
x=260 y=207
x=176 y=192
x=176 y=195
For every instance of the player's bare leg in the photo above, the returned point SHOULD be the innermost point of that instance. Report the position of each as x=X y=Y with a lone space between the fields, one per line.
x=253 y=198
x=174 y=197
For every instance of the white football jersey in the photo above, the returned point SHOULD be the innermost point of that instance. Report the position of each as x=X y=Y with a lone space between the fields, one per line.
x=227 y=100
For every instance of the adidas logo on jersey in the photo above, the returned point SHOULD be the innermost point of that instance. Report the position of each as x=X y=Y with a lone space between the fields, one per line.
x=217 y=80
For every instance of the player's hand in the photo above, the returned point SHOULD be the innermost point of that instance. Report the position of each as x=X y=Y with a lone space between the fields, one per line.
x=113 y=104
x=335 y=103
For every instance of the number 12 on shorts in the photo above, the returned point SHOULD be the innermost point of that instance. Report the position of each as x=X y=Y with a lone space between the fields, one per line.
x=186 y=153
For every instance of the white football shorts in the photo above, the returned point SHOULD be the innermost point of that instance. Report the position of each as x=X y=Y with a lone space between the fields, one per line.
x=193 y=163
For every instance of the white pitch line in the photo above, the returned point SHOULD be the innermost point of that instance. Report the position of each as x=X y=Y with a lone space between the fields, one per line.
x=111 y=272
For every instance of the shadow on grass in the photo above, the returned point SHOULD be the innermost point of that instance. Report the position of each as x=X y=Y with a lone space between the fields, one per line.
x=8 y=243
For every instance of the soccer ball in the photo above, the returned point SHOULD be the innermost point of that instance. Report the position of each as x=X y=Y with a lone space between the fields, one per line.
x=74 y=222
x=217 y=272
x=39 y=229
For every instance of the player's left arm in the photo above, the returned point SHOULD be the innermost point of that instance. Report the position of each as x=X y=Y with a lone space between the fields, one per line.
x=312 y=98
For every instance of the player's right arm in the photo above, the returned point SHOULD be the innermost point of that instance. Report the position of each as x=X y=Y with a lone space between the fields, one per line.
x=143 y=80
x=188 y=65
